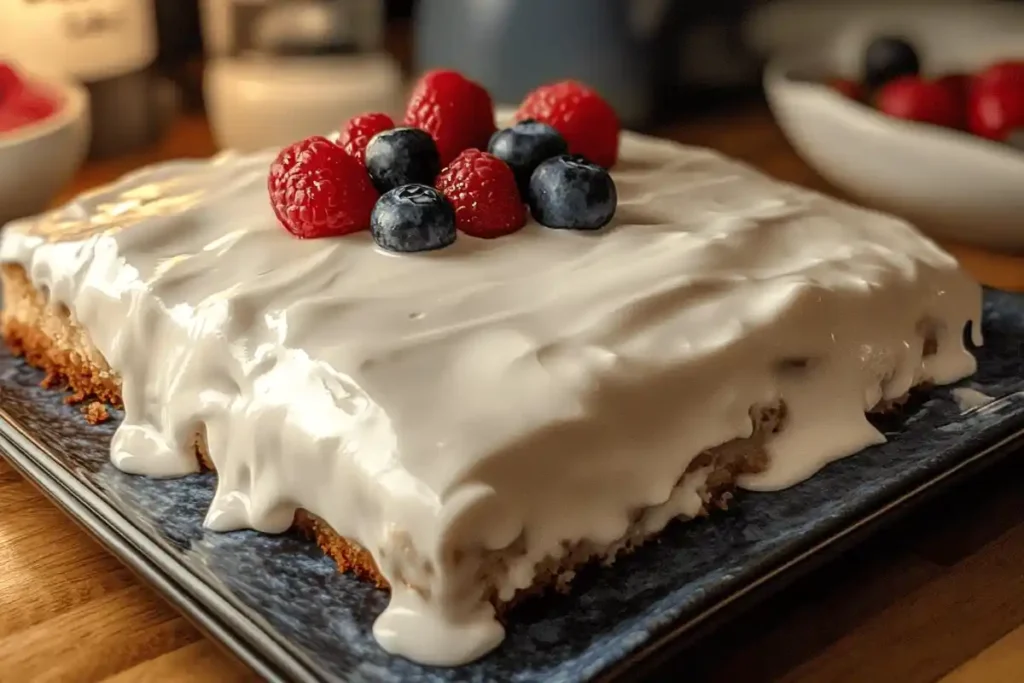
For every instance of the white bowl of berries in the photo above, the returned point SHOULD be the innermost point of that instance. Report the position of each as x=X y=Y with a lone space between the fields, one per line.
x=44 y=135
x=942 y=147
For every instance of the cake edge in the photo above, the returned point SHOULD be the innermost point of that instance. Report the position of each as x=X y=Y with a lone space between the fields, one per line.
x=49 y=339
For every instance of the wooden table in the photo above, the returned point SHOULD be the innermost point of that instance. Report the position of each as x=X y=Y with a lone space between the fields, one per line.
x=939 y=597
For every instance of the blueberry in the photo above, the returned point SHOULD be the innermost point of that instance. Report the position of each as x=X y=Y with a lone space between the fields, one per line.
x=412 y=218
x=524 y=146
x=571 y=192
x=402 y=156
x=889 y=57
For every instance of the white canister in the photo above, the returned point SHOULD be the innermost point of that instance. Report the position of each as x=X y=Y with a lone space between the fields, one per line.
x=89 y=40
x=280 y=70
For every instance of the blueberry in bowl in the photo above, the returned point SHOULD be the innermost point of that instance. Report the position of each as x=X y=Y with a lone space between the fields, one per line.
x=888 y=58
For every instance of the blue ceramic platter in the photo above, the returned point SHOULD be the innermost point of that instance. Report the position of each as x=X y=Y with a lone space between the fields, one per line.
x=282 y=608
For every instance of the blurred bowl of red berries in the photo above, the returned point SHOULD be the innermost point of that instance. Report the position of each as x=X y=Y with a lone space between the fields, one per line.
x=942 y=147
x=44 y=136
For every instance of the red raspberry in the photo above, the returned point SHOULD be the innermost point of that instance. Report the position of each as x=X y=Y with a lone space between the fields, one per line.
x=34 y=104
x=1009 y=74
x=23 y=107
x=585 y=120
x=996 y=112
x=996 y=102
x=916 y=99
x=10 y=82
x=483 y=190
x=958 y=84
x=358 y=131
x=317 y=190
x=457 y=112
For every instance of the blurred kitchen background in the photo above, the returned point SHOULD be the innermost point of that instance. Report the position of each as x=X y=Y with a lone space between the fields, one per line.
x=269 y=71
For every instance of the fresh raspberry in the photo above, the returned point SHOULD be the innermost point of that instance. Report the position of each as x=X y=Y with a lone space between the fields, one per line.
x=585 y=120
x=996 y=102
x=1009 y=74
x=317 y=190
x=10 y=82
x=917 y=99
x=996 y=111
x=24 y=106
x=483 y=190
x=357 y=133
x=13 y=120
x=958 y=84
x=32 y=103
x=457 y=112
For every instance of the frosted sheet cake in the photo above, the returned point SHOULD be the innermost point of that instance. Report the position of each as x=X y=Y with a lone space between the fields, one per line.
x=470 y=425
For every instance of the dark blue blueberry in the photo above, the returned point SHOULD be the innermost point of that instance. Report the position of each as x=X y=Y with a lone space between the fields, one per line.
x=889 y=57
x=524 y=146
x=571 y=192
x=412 y=218
x=402 y=156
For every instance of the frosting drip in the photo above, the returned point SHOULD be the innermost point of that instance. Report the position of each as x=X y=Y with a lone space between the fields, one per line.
x=439 y=408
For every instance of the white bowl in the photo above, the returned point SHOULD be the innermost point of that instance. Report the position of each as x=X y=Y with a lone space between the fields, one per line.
x=950 y=183
x=37 y=160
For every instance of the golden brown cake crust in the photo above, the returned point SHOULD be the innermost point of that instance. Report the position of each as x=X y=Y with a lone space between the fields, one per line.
x=50 y=339
x=32 y=329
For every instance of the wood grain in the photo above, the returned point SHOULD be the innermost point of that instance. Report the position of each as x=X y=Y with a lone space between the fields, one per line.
x=939 y=597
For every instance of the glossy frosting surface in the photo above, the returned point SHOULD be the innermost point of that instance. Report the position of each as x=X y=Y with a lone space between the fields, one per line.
x=522 y=392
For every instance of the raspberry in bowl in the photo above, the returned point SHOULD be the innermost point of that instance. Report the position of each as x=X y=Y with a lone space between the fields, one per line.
x=44 y=135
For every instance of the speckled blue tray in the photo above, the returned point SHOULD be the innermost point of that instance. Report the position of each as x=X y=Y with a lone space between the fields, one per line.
x=281 y=606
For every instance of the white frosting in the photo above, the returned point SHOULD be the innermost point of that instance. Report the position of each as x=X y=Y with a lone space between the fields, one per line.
x=533 y=389
x=970 y=399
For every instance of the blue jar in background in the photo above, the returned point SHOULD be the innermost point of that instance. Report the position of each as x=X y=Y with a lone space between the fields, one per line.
x=513 y=46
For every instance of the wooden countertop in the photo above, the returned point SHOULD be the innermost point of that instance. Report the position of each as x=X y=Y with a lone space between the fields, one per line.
x=939 y=597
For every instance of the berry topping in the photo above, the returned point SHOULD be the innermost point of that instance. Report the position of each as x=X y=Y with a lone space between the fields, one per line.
x=357 y=132
x=958 y=84
x=10 y=82
x=888 y=58
x=413 y=218
x=21 y=102
x=1002 y=74
x=996 y=113
x=588 y=123
x=402 y=156
x=524 y=146
x=996 y=102
x=24 y=107
x=317 y=190
x=457 y=112
x=847 y=88
x=570 y=192
x=916 y=99
x=483 y=191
